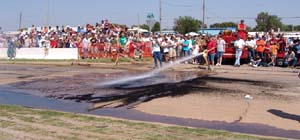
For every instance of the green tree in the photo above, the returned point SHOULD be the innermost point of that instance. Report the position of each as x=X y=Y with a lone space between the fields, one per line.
x=287 y=28
x=144 y=26
x=297 y=28
x=223 y=25
x=266 y=22
x=186 y=24
x=156 y=27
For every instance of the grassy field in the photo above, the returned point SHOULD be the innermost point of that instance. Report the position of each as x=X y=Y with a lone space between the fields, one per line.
x=19 y=123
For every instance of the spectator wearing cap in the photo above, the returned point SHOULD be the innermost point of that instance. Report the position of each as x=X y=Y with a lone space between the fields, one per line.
x=251 y=45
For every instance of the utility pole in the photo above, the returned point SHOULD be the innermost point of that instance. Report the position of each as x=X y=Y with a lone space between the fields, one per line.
x=160 y=14
x=138 y=20
x=20 y=21
x=47 y=14
x=203 y=17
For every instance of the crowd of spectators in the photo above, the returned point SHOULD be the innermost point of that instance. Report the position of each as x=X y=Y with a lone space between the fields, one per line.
x=108 y=40
x=268 y=49
x=93 y=41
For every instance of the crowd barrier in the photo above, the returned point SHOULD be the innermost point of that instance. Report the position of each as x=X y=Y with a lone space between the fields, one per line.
x=103 y=51
x=3 y=53
x=40 y=53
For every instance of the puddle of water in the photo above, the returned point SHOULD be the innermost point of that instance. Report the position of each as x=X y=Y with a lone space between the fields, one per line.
x=23 y=99
x=9 y=96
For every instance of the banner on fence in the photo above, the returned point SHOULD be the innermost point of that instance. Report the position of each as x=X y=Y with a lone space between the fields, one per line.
x=41 y=53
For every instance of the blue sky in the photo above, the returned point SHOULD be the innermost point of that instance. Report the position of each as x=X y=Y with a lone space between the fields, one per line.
x=74 y=12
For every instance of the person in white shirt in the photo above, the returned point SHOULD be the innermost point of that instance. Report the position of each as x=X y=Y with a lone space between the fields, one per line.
x=221 y=44
x=164 y=45
x=251 y=45
x=172 y=49
x=85 y=44
x=156 y=52
x=239 y=45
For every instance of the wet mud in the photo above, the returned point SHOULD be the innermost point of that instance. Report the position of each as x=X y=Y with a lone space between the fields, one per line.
x=82 y=88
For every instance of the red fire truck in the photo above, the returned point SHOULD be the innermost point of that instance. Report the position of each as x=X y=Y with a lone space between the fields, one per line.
x=229 y=55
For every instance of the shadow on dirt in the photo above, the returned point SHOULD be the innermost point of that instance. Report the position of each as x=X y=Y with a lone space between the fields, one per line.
x=285 y=115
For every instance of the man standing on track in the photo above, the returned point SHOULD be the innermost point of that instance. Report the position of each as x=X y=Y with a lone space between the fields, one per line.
x=239 y=45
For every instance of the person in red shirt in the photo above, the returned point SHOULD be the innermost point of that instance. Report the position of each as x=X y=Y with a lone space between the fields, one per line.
x=242 y=30
x=131 y=48
x=211 y=49
x=53 y=43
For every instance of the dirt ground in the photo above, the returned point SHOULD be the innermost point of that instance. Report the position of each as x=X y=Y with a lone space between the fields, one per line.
x=275 y=92
x=184 y=91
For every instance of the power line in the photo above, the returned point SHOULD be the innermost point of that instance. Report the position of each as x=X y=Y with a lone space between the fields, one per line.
x=178 y=5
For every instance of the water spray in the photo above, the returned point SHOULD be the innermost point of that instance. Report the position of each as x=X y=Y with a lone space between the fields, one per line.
x=148 y=74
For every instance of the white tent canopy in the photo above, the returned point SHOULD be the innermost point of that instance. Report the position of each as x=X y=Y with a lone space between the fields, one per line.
x=191 y=34
x=136 y=29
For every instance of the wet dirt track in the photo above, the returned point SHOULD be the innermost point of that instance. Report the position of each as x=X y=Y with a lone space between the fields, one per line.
x=73 y=85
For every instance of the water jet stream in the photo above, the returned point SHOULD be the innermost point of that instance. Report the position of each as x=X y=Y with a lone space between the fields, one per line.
x=146 y=75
